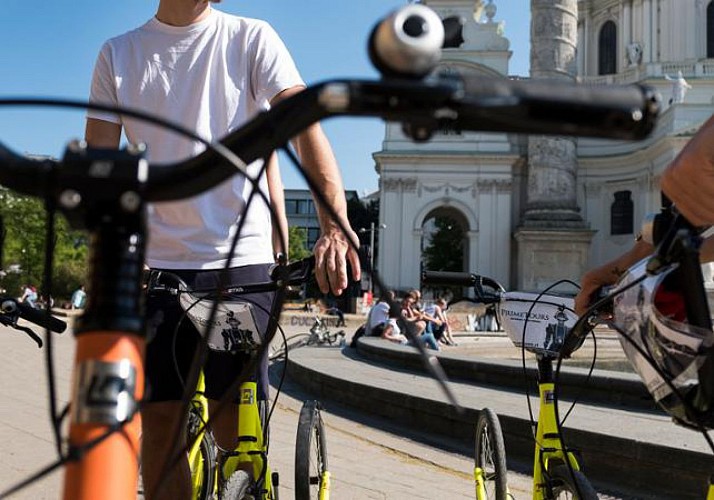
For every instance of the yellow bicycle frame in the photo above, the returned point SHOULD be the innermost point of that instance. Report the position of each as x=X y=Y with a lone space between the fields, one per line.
x=480 y=484
x=195 y=459
x=251 y=447
x=324 y=493
x=548 y=443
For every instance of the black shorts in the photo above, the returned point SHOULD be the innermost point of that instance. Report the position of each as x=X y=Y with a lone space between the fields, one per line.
x=169 y=352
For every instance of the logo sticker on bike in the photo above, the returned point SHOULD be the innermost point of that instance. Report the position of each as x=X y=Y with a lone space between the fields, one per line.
x=247 y=397
x=105 y=392
x=549 y=397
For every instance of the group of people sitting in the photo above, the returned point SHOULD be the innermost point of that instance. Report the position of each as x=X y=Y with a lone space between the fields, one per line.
x=429 y=323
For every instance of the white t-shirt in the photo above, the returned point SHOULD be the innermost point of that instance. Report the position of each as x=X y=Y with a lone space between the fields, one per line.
x=210 y=77
x=378 y=314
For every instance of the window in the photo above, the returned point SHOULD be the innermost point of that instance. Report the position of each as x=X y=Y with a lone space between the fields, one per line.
x=305 y=207
x=621 y=213
x=710 y=30
x=607 y=49
x=291 y=207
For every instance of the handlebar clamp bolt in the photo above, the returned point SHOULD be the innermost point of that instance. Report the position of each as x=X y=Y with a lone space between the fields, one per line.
x=69 y=198
x=130 y=201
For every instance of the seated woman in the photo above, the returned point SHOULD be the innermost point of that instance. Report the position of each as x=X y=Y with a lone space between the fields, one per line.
x=414 y=319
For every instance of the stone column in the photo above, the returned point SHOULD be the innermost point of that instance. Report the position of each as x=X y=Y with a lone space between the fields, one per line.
x=552 y=218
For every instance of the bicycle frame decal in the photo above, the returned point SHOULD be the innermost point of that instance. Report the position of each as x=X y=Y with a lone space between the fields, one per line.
x=548 y=397
x=105 y=392
x=233 y=328
x=247 y=396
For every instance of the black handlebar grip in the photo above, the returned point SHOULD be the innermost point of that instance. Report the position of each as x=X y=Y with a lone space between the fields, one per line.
x=295 y=273
x=557 y=107
x=448 y=278
x=41 y=318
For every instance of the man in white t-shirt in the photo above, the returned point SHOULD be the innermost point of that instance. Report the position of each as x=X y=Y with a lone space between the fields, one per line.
x=210 y=72
x=378 y=316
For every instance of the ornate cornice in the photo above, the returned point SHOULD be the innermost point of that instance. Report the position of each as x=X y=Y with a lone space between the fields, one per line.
x=500 y=185
x=407 y=185
x=446 y=188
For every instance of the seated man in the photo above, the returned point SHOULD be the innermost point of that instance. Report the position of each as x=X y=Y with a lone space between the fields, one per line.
x=378 y=316
x=440 y=328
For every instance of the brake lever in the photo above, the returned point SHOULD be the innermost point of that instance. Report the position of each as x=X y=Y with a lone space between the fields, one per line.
x=11 y=321
x=30 y=334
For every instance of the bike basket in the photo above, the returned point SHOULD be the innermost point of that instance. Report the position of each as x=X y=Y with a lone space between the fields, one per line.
x=233 y=328
x=652 y=316
x=549 y=319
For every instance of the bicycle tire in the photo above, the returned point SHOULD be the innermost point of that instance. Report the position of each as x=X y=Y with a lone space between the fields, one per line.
x=207 y=452
x=490 y=455
x=237 y=487
x=565 y=485
x=310 y=452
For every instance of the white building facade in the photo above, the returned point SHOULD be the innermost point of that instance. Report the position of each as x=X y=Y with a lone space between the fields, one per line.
x=480 y=179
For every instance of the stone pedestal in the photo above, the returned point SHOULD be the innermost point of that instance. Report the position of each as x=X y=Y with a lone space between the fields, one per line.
x=547 y=256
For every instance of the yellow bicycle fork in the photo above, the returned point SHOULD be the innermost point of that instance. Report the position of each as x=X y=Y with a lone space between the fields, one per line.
x=250 y=453
x=195 y=458
x=480 y=484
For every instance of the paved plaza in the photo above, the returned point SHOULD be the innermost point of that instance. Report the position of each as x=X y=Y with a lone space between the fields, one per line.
x=370 y=458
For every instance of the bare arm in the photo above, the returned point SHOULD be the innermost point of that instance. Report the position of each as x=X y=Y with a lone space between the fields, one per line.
x=689 y=180
x=277 y=200
x=333 y=249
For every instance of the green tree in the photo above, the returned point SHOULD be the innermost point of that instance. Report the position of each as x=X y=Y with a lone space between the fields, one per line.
x=297 y=243
x=24 y=220
x=445 y=251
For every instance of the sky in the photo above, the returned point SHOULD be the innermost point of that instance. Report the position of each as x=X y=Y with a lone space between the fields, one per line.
x=49 y=49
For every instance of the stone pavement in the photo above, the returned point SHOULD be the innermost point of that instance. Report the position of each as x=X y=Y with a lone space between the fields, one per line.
x=370 y=457
x=628 y=447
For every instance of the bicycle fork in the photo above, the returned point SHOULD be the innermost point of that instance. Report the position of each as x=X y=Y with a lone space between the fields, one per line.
x=251 y=447
x=480 y=483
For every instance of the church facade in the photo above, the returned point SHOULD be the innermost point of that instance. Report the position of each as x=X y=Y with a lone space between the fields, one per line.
x=480 y=181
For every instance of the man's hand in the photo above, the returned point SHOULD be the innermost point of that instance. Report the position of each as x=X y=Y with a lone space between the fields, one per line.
x=332 y=252
x=590 y=283
x=608 y=274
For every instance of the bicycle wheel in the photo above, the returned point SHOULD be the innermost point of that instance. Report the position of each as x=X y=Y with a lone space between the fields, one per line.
x=203 y=468
x=565 y=485
x=237 y=487
x=280 y=351
x=490 y=455
x=310 y=452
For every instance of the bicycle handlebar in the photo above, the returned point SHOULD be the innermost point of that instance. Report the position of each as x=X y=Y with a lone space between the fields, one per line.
x=295 y=273
x=12 y=308
x=469 y=103
x=450 y=278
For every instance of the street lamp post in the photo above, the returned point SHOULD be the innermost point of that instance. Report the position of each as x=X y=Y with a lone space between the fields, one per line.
x=371 y=250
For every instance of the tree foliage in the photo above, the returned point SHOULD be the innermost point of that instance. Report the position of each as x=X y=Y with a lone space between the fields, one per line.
x=445 y=251
x=24 y=220
x=297 y=243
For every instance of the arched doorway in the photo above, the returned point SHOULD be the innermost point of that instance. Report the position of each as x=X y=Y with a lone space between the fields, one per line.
x=445 y=241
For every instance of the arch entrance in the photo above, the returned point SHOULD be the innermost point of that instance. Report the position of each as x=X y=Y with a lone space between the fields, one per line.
x=444 y=241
